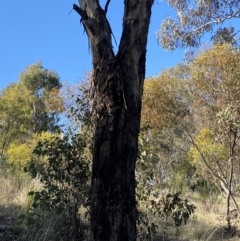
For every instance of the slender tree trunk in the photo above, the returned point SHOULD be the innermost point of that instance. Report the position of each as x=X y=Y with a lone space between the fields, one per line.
x=229 y=193
x=118 y=85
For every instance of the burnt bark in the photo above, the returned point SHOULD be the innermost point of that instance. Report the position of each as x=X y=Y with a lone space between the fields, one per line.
x=117 y=91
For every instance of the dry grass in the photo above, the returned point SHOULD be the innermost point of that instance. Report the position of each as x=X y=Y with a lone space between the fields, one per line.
x=14 y=201
x=207 y=223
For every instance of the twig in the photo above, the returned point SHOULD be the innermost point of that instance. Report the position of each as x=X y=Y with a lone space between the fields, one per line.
x=70 y=11
x=106 y=6
x=217 y=20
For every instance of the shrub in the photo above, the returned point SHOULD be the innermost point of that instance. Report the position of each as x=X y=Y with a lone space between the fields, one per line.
x=65 y=180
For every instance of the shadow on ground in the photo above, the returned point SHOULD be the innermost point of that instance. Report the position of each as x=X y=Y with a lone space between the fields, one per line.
x=9 y=222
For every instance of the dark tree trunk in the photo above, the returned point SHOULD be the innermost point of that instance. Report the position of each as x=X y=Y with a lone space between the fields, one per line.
x=118 y=85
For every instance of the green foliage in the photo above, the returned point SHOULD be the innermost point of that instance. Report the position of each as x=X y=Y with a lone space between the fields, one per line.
x=151 y=207
x=15 y=117
x=32 y=105
x=179 y=209
x=38 y=80
x=172 y=205
x=206 y=189
x=43 y=86
x=65 y=179
x=150 y=204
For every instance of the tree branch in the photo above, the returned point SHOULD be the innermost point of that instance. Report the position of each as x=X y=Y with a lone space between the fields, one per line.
x=106 y=6
x=204 y=159
x=217 y=21
x=135 y=26
x=80 y=11
x=99 y=33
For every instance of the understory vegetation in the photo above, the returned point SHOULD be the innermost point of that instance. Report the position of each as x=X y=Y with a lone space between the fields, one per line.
x=188 y=167
x=207 y=223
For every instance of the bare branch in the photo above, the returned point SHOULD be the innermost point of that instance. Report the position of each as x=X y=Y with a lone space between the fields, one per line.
x=235 y=34
x=218 y=20
x=203 y=158
x=80 y=11
x=106 y=6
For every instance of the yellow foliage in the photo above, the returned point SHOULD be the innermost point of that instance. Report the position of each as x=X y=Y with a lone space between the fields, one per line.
x=163 y=99
x=207 y=150
x=43 y=137
x=13 y=105
x=216 y=76
x=19 y=155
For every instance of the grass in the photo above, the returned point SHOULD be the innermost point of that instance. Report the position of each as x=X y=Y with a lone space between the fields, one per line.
x=207 y=223
x=14 y=187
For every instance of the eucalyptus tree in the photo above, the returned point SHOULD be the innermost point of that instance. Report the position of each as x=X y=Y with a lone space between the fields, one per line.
x=195 y=18
x=29 y=106
x=165 y=111
x=15 y=117
x=42 y=86
x=216 y=97
x=117 y=90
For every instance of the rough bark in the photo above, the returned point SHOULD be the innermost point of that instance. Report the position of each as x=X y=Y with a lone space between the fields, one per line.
x=118 y=85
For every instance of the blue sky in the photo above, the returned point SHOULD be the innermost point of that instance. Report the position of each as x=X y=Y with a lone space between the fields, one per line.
x=43 y=30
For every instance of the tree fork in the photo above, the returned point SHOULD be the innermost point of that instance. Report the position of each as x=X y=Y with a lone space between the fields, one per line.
x=117 y=91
